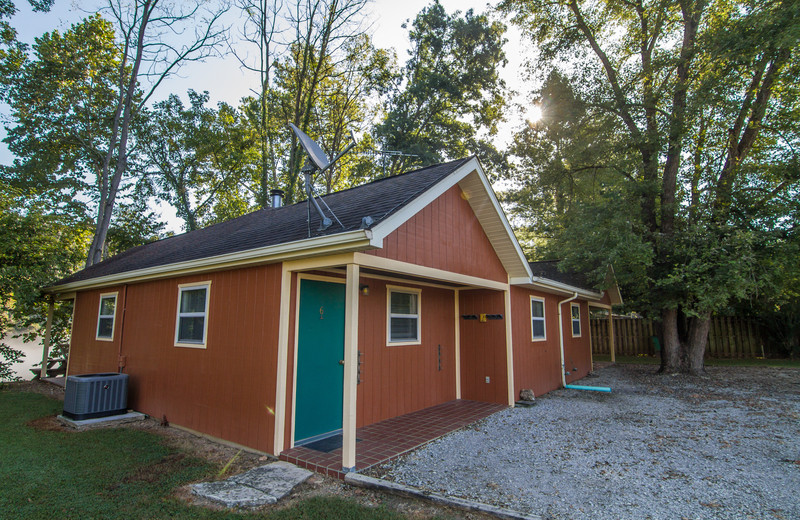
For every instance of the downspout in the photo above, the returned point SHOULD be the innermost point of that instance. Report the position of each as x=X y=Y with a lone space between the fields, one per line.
x=561 y=336
x=122 y=360
x=561 y=345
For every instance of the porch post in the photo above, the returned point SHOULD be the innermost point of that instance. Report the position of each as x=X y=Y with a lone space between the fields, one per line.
x=283 y=360
x=350 y=369
x=509 y=348
x=611 y=339
x=48 y=334
x=456 y=296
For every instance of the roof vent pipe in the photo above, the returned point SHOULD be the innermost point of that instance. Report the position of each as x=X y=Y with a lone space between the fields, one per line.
x=276 y=197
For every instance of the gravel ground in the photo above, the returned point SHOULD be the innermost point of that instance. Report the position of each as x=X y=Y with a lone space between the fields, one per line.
x=726 y=446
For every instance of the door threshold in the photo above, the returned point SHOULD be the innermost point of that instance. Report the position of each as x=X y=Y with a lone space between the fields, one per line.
x=315 y=438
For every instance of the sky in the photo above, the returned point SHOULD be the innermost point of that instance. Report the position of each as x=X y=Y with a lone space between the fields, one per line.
x=226 y=81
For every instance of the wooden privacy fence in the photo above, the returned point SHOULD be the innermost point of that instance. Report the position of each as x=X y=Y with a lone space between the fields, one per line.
x=728 y=337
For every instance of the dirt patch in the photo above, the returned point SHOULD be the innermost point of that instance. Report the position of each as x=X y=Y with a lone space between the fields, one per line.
x=36 y=386
x=156 y=471
x=49 y=424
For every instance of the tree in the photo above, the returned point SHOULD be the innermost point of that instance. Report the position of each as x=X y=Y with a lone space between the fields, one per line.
x=12 y=51
x=322 y=29
x=144 y=27
x=705 y=80
x=192 y=157
x=61 y=103
x=450 y=90
x=343 y=106
x=260 y=30
x=36 y=247
x=134 y=225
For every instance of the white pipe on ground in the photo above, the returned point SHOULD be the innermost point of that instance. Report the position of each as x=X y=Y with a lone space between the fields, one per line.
x=561 y=337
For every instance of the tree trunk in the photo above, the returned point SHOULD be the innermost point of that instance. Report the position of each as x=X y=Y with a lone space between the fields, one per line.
x=671 y=351
x=698 y=340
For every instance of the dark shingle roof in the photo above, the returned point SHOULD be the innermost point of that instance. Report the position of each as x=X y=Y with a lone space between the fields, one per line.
x=273 y=226
x=549 y=269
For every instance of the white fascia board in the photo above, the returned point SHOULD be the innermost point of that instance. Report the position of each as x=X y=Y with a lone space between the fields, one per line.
x=351 y=240
x=502 y=216
x=544 y=284
x=383 y=229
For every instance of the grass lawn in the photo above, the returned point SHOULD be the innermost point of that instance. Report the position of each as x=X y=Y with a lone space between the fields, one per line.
x=112 y=473
x=655 y=360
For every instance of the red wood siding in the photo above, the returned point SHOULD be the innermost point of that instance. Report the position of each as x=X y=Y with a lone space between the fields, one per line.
x=537 y=364
x=396 y=380
x=577 y=351
x=226 y=390
x=445 y=235
x=87 y=354
x=483 y=347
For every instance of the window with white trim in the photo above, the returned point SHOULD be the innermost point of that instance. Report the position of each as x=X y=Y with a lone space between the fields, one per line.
x=105 y=316
x=538 y=332
x=575 y=311
x=404 y=316
x=192 y=322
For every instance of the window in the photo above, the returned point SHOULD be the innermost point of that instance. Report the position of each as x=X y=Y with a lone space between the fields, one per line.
x=105 y=316
x=404 y=326
x=192 y=323
x=537 y=319
x=575 y=310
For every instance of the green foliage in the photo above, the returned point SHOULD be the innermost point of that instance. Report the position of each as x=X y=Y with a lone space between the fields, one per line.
x=134 y=224
x=328 y=105
x=62 y=102
x=37 y=247
x=627 y=106
x=196 y=158
x=449 y=97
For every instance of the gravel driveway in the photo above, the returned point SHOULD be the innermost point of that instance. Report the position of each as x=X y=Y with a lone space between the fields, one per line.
x=657 y=447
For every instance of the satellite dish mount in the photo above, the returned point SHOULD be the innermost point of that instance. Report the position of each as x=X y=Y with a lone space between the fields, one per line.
x=317 y=162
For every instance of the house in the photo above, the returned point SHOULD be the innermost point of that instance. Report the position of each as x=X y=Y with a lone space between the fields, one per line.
x=267 y=332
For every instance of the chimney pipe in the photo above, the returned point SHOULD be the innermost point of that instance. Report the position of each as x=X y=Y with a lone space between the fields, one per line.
x=276 y=196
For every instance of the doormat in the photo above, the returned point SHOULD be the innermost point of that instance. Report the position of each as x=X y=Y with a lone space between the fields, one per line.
x=327 y=444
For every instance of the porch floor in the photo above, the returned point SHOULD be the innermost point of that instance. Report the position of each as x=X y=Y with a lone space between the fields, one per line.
x=386 y=440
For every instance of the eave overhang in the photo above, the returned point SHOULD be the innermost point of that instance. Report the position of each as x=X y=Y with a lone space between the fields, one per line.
x=358 y=240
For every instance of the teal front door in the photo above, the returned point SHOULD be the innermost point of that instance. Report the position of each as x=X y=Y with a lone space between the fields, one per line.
x=320 y=355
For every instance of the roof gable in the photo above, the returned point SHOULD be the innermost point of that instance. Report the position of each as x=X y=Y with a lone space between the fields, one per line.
x=476 y=189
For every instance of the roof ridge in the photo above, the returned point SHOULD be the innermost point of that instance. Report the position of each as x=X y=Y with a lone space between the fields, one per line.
x=389 y=177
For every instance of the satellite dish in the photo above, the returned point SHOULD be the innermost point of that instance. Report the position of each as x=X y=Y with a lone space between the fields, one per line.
x=319 y=163
x=314 y=151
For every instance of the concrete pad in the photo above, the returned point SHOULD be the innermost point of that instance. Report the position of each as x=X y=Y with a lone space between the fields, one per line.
x=276 y=479
x=232 y=494
x=97 y=422
x=257 y=487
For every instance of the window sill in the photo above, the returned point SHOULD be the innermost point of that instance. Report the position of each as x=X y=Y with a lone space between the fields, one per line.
x=191 y=345
x=402 y=343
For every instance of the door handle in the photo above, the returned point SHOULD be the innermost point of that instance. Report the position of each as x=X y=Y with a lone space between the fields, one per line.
x=341 y=362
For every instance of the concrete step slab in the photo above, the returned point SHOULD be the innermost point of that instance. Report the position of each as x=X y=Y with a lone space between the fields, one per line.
x=260 y=486
x=276 y=479
x=232 y=494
